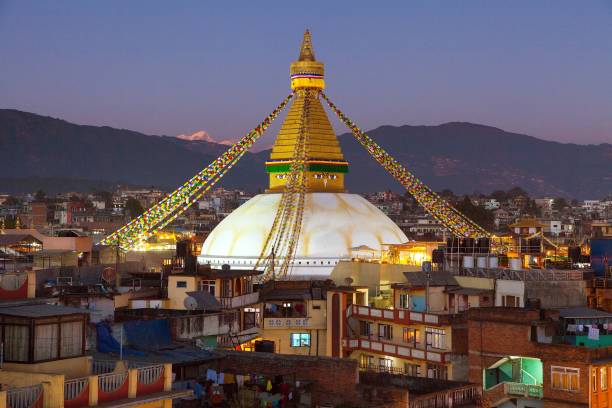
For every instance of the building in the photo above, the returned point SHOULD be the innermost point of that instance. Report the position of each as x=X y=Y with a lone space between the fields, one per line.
x=294 y=316
x=45 y=365
x=518 y=358
x=334 y=221
x=422 y=334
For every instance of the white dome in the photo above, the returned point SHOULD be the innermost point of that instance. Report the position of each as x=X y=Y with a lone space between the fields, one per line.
x=333 y=223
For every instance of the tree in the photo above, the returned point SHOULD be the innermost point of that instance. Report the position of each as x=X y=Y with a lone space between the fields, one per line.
x=40 y=195
x=479 y=215
x=499 y=195
x=515 y=192
x=559 y=204
x=133 y=207
x=10 y=201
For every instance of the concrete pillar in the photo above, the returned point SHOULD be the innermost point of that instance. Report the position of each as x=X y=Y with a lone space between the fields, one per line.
x=132 y=382
x=93 y=390
x=167 y=377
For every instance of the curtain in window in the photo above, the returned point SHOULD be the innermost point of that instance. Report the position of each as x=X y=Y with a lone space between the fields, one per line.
x=16 y=342
x=45 y=342
x=72 y=339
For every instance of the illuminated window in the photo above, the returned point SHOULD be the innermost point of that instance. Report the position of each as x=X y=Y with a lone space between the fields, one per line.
x=566 y=378
x=603 y=377
x=300 y=340
x=385 y=364
x=435 y=338
x=410 y=336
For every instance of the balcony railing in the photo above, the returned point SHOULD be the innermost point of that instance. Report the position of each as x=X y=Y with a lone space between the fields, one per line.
x=525 y=390
x=401 y=316
x=235 y=302
x=404 y=351
x=468 y=395
x=25 y=397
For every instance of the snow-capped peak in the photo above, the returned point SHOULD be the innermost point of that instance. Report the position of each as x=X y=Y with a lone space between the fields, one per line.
x=202 y=135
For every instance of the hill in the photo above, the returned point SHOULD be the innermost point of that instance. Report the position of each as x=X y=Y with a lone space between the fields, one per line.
x=464 y=157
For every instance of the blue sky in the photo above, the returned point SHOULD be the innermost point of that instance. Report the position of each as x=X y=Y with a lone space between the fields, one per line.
x=542 y=68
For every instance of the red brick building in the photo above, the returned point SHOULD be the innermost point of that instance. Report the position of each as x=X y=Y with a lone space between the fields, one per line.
x=513 y=353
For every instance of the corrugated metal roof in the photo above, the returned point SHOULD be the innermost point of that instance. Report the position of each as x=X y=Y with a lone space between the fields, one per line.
x=44 y=310
x=584 y=312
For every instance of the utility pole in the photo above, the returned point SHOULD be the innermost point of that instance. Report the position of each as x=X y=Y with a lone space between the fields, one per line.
x=426 y=267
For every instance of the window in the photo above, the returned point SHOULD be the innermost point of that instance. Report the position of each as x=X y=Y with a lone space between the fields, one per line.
x=437 y=371
x=365 y=328
x=300 y=339
x=410 y=336
x=566 y=378
x=208 y=286
x=385 y=364
x=366 y=361
x=510 y=301
x=16 y=340
x=385 y=331
x=413 y=370
x=593 y=380
x=404 y=301
x=603 y=376
x=435 y=338
x=181 y=284
x=45 y=342
x=72 y=339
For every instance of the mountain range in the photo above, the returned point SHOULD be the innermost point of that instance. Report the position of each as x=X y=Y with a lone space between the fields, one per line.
x=54 y=155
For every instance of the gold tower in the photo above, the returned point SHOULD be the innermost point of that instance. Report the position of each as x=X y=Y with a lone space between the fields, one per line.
x=325 y=164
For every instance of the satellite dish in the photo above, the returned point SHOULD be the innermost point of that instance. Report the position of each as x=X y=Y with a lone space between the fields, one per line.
x=190 y=303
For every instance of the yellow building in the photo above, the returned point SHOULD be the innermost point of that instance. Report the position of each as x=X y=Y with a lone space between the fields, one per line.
x=45 y=365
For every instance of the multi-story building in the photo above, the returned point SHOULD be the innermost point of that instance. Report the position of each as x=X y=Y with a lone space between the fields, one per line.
x=521 y=361
x=423 y=333
x=45 y=365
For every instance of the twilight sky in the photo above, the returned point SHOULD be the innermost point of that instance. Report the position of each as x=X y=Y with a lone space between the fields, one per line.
x=538 y=67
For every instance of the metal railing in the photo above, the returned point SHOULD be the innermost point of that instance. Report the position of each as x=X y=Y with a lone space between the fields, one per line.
x=150 y=374
x=73 y=388
x=103 y=366
x=23 y=397
x=446 y=399
x=523 y=274
x=111 y=382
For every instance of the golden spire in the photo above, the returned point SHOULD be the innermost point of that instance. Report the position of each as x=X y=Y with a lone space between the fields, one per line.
x=324 y=159
x=306 y=52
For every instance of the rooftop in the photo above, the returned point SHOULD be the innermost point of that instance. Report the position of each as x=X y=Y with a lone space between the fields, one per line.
x=40 y=310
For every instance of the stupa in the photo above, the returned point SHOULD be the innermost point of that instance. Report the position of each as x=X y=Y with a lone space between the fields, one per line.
x=334 y=223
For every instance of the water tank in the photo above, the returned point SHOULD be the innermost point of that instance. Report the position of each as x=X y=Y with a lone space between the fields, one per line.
x=481 y=262
x=468 y=261
x=493 y=262
x=515 y=264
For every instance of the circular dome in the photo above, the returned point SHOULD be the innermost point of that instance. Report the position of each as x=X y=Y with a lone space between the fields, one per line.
x=333 y=224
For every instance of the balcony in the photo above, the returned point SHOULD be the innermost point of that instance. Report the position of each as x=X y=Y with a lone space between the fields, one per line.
x=290 y=323
x=236 y=302
x=504 y=391
x=399 y=316
x=111 y=383
x=403 y=350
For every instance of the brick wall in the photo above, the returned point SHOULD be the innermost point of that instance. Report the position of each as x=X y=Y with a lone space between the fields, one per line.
x=501 y=332
x=334 y=379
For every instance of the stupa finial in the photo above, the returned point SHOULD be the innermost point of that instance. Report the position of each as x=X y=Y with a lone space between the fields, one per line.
x=306 y=52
